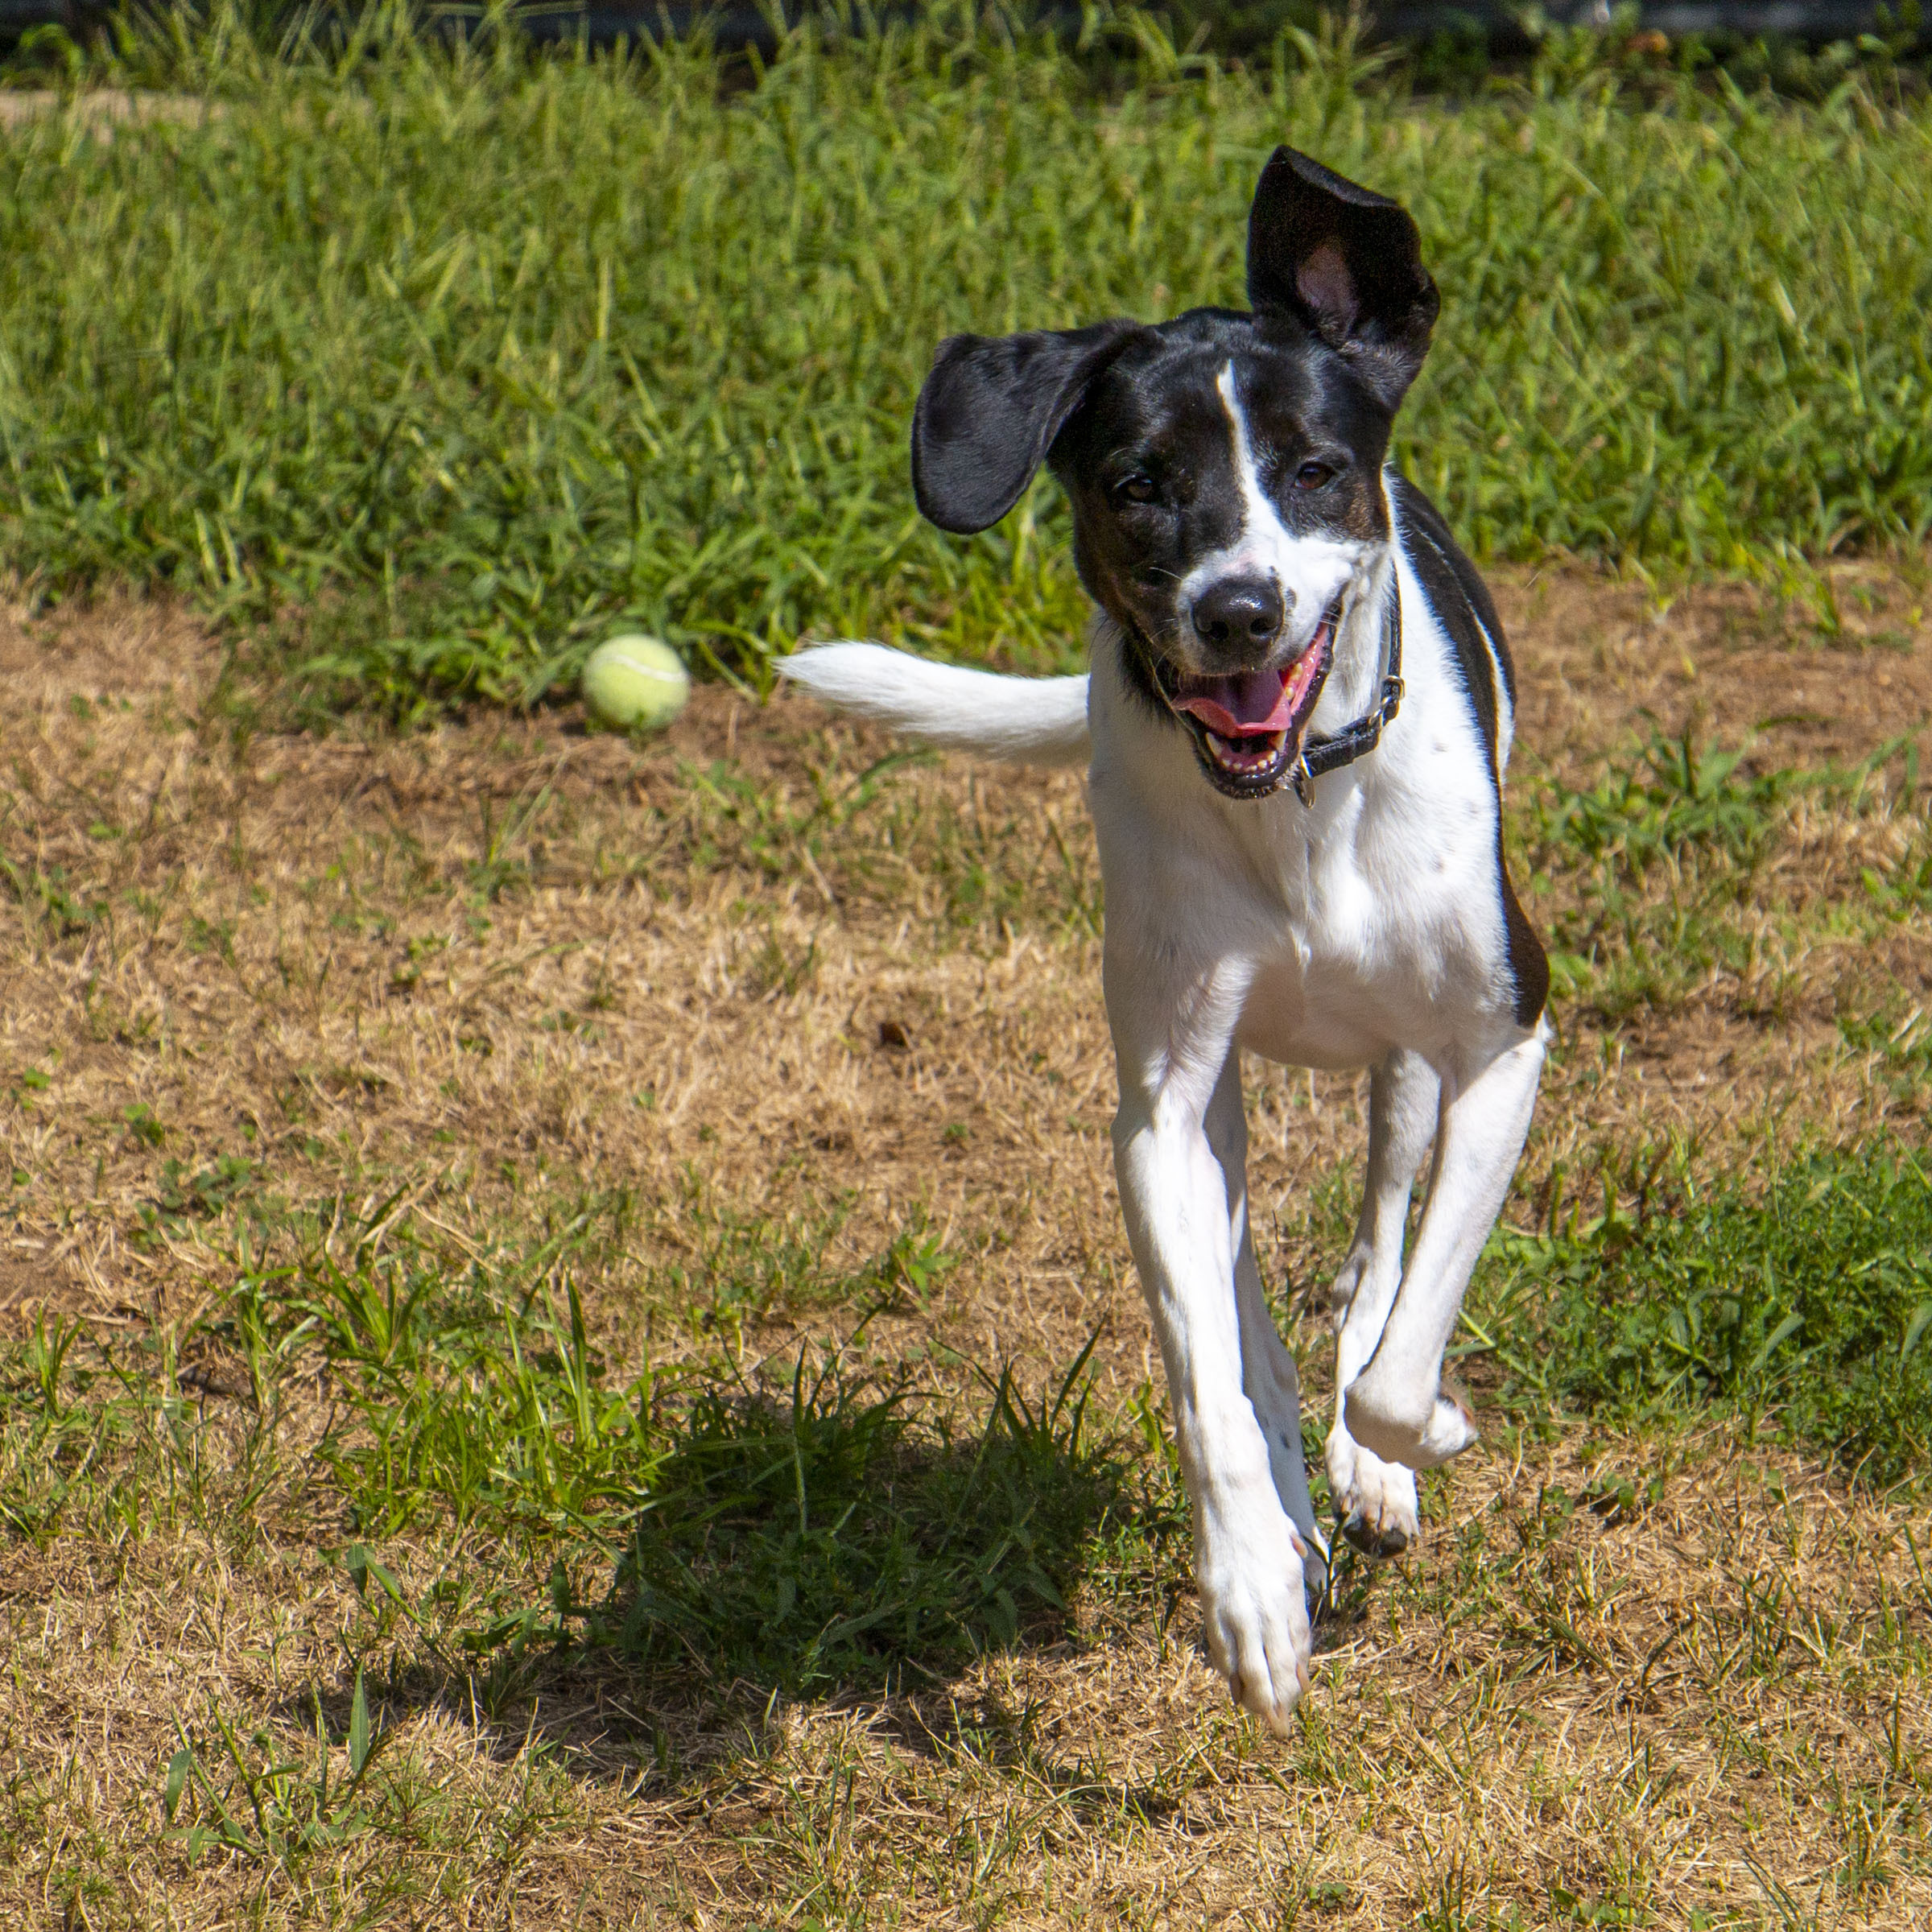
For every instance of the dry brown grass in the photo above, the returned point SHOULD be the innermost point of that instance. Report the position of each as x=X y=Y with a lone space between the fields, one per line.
x=511 y=967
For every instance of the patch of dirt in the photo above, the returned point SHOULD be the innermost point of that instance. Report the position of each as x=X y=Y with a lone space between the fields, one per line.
x=1602 y=663
x=507 y=946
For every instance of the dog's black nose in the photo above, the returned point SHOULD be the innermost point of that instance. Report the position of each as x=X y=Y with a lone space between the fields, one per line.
x=1239 y=614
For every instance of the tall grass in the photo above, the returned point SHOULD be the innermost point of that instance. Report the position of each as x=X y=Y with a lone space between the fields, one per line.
x=458 y=354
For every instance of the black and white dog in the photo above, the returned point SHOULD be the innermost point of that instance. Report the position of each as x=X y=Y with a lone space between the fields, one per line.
x=1297 y=719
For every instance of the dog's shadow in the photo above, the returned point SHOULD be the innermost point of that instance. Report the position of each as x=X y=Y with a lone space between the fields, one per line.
x=833 y=1545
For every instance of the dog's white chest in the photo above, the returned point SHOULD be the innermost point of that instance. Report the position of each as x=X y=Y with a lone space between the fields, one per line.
x=1369 y=923
x=1384 y=932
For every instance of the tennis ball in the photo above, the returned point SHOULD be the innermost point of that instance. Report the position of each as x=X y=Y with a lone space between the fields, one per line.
x=634 y=682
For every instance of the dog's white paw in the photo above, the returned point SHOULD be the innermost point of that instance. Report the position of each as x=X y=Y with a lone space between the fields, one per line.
x=1398 y=1429
x=1376 y=1501
x=1254 y=1614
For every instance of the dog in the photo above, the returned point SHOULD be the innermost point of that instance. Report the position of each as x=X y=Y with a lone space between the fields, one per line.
x=1296 y=723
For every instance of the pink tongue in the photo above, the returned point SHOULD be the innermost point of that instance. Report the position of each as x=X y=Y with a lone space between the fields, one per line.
x=1249 y=706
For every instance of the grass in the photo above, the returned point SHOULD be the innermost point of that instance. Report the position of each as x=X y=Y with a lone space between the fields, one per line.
x=1800 y=1298
x=817 y=1536
x=1700 y=821
x=438 y=361
x=566 y=1347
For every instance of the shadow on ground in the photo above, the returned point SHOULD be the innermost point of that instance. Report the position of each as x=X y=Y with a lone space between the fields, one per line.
x=831 y=1536
x=835 y=1539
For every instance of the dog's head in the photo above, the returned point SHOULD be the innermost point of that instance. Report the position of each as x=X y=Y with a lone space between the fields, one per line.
x=1224 y=469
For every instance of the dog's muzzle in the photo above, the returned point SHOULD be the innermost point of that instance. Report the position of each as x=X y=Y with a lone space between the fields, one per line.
x=1248 y=728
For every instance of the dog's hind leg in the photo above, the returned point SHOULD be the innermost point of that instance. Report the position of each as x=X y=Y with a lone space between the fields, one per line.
x=1375 y=1501
x=1268 y=1372
x=1396 y=1405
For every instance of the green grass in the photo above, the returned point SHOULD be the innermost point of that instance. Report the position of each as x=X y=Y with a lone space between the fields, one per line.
x=813 y=1521
x=822 y=1520
x=1802 y=1304
x=446 y=360
x=826 y=1531
x=1666 y=856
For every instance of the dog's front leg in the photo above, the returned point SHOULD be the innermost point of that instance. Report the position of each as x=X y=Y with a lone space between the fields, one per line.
x=1173 y=1035
x=1268 y=1372
x=1396 y=1405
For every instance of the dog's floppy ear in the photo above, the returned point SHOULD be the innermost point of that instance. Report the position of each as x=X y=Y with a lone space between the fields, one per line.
x=988 y=413
x=1347 y=262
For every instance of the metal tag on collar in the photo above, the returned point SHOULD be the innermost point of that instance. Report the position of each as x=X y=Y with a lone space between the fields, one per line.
x=1301 y=779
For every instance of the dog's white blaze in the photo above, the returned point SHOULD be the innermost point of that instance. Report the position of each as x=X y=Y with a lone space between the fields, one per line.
x=1312 y=572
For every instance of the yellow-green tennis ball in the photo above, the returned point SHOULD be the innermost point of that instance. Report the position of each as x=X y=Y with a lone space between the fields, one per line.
x=635 y=683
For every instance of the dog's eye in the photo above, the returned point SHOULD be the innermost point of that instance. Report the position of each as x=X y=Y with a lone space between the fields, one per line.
x=1312 y=476
x=1137 y=490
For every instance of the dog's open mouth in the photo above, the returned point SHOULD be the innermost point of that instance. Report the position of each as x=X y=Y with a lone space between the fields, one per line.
x=1248 y=728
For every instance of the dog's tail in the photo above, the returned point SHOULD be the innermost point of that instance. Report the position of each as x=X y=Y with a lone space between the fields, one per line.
x=1022 y=720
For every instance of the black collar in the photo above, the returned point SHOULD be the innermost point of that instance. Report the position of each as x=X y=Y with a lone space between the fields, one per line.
x=1357 y=740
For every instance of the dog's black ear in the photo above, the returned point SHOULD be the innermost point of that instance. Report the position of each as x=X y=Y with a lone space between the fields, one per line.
x=988 y=413
x=1346 y=262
